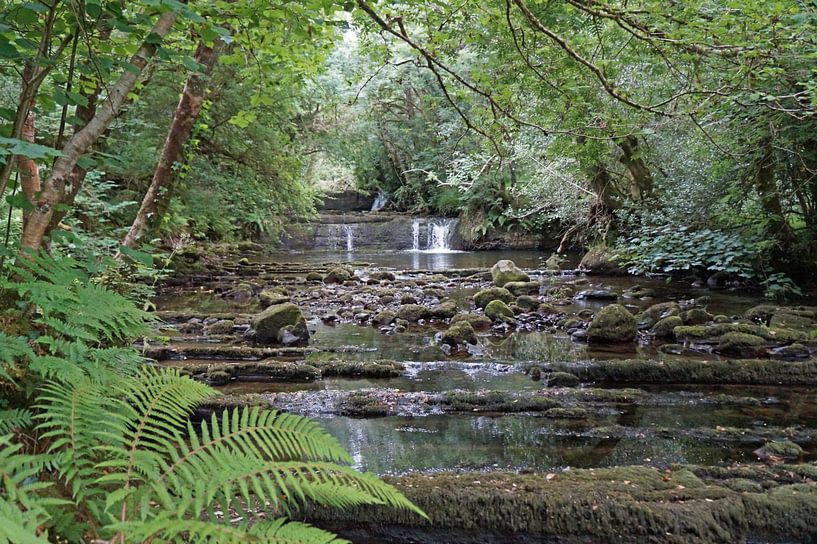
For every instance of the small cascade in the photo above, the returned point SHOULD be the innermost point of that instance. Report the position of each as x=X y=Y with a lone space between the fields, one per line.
x=350 y=237
x=415 y=235
x=439 y=235
x=379 y=202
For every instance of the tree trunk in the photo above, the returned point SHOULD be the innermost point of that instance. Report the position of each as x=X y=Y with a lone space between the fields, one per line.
x=639 y=172
x=54 y=188
x=777 y=226
x=29 y=171
x=187 y=111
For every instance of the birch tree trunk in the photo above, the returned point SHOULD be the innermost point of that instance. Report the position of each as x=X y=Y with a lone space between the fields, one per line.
x=187 y=111
x=29 y=171
x=55 y=186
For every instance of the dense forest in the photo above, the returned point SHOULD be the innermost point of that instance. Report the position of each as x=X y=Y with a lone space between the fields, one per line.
x=159 y=160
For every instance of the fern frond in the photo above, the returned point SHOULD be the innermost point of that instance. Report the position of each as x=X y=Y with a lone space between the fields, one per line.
x=13 y=419
x=279 y=531
x=12 y=349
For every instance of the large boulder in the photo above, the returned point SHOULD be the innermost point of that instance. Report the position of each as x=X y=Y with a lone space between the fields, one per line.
x=281 y=323
x=602 y=260
x=459 y=333
x=613 y=323
x=413 y=312
x=271 y=297
x=337 y=275
x=482 y=298
x=496 y=310
x=505 y=271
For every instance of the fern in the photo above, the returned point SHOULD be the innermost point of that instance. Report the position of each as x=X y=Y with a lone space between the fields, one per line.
x=149 y=473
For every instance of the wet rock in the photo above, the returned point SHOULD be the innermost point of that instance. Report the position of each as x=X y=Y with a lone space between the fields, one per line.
x=596 y=294
x=478 y=322
x=522 y=287
x=779 y=449
x=602 y=260
x=280 y=322
x=674 y=349
x=792 y=351
x=655 y=313
x=788 y=319
x=314 y=276
x=579 y=335
x=413 y=312
x=637 y=291
x=382 y=275
x=337 y=275
x=721 y=280
x=240 y=293
x=383 y=318
x=665 y=327
x=696 y=316
x=496 y=310
x=506 y=271
x=459 y=333
x=554 y=262
x=713 y=333
x=562 y=379
x=446 y=310
x=720 y=318
x=222 y=326
x=740 y=344
x=527 y=303
x=482 y=298
x=271 y=297
x=547 y=309
x=535 y=373
x=613 y=323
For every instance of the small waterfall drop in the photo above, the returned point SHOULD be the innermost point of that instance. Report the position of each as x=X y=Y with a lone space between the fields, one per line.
x=379 y=202
x=439 y=235
x=415 y=235
x=350 y=237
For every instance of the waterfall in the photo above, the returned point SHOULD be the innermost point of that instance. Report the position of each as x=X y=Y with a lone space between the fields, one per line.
x=379 y=201
x=439 y=235
x=350 y=237
x=415 y=235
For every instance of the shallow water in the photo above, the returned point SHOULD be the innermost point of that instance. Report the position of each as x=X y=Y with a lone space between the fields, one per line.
x=398 y=444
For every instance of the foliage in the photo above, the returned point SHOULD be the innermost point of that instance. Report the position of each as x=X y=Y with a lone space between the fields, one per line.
x=151 y=474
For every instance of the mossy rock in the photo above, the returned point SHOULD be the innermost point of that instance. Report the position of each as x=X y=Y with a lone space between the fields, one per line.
x=459 y=333
x=483 y=297
x=571 y=412
x=384 y=318
x=613 y=323
x=518 y=288
x=276 y=322
x=444 y=310
x=790 y=320
x=364 y=405
x=222 y=326
x=562 y=379
x=547 y=309
x=413 y=312
x=383 y=275
x=478 y=322
x=355 y=369
x=407 y=298
x=495 y=401
x=314 y=276
x=505 y=271
x=664 y=328
x=527 y=303
x=602 y=260
x=337 y=275
x=655 y=313
x=784 y=449
x=713 y=333
x=696 y=316
x=271 y=297
x=496 y=310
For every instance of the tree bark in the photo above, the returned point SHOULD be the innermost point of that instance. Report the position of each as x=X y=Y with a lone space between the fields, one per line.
x=187 y=111
x=54 y=187
x=639 y=172
x=29 y=171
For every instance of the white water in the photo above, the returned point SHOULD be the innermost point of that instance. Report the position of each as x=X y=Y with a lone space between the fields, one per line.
x=379 y=201
x=439 y=233
x=350 y=237
x=415 y=235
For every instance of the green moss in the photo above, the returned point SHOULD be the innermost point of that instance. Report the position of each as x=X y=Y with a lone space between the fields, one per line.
x=562 y=379
x=740 y=344
x=460 y=332
x=364 y=405
x=664 y=328
x=221 y=373
x=518 y=288
x=314 y=276
x=712 y=333
x=381 y=319
x=573 y=412
x=337 y=275
x=782 y=448
x=413 y=312
x=696 y=316
x=613 y=323
x=367 y=369
x=482 y=298
x=505 y=271
x=744 y=372
x=444 y=310
x=494 y=401
x=496 y=310
x=478 y=322
x=272 y=324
